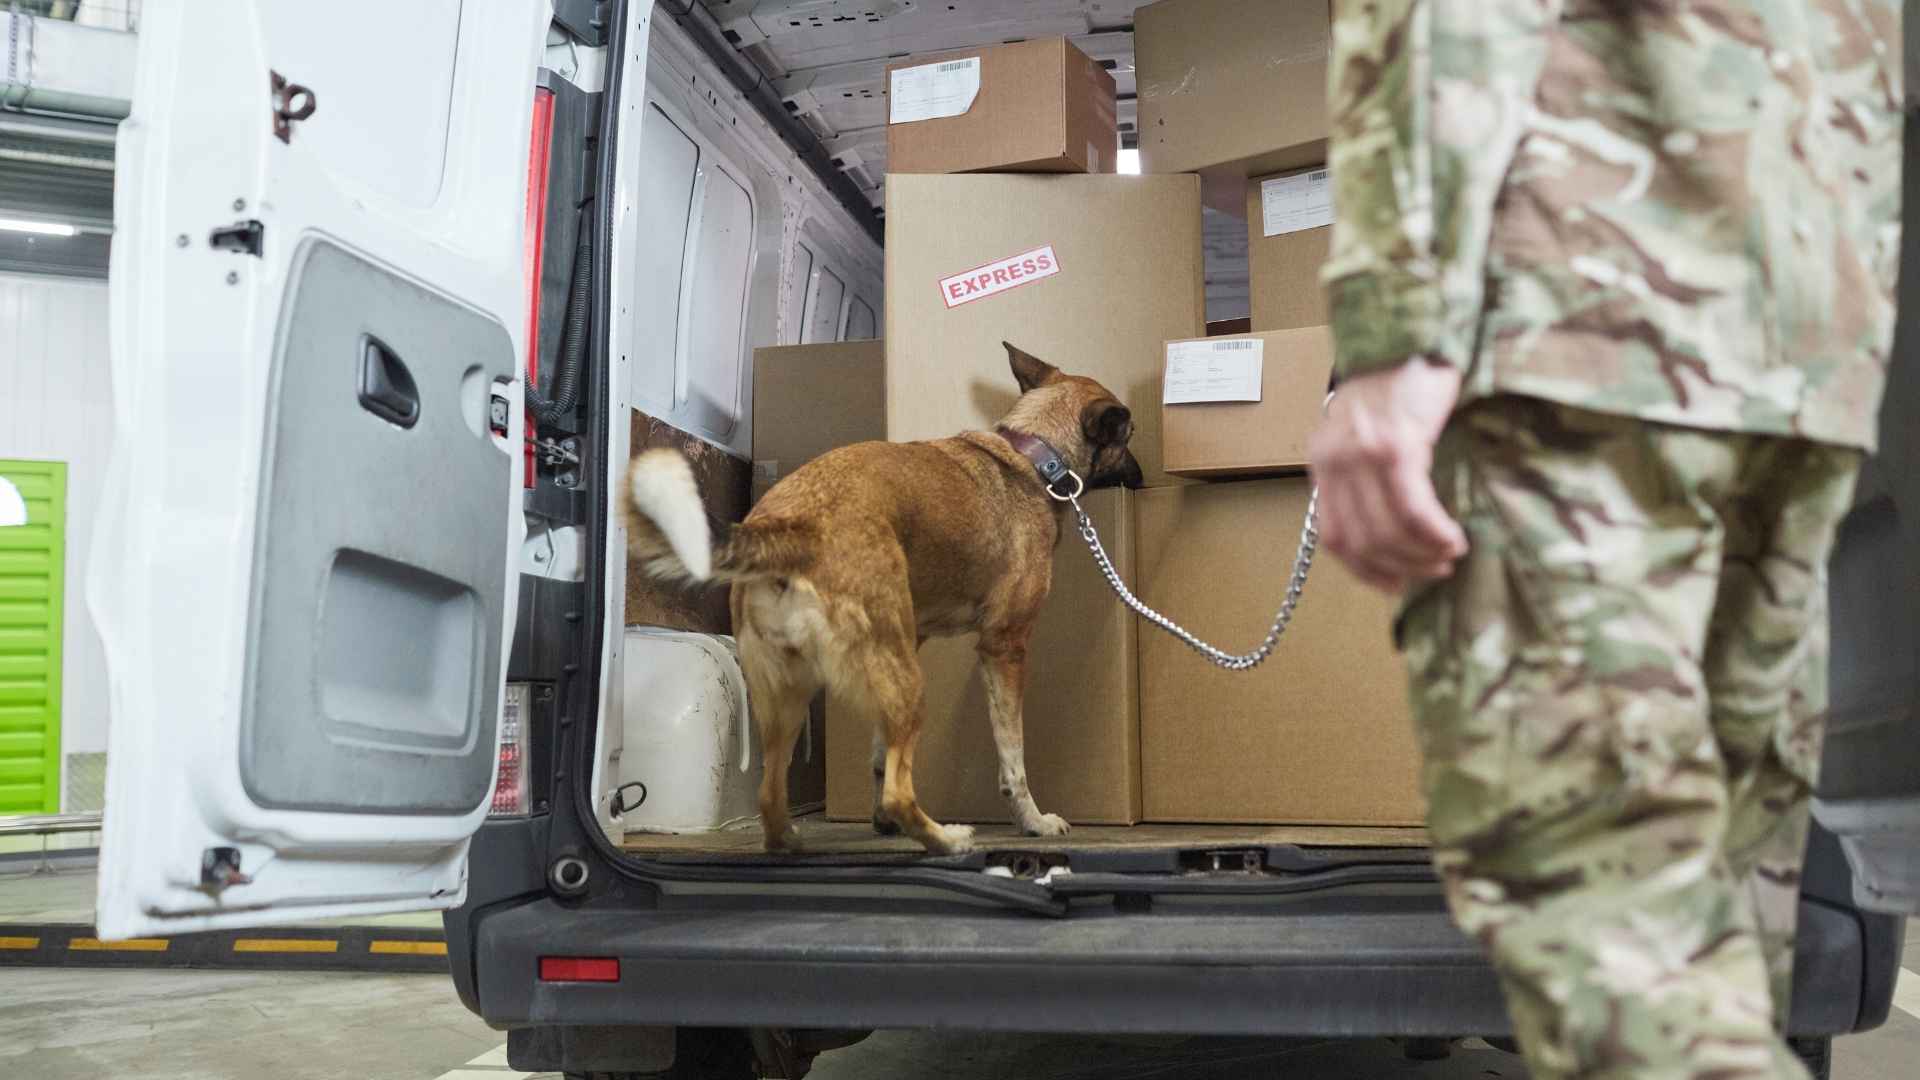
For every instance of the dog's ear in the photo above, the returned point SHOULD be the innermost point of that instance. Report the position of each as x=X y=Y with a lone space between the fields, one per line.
x=1107 y=423
x=1029 y=371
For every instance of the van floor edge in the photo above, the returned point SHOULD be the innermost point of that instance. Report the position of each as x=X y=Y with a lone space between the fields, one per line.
x=818 y=836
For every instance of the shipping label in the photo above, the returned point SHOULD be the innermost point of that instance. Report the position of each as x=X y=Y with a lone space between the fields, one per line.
x=997 y=277
x=1213 y=369
x=1291 y=204
x=931 y=91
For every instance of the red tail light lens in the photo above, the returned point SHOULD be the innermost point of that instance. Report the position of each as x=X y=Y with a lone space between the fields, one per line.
x=510 y=794
x=603 y=969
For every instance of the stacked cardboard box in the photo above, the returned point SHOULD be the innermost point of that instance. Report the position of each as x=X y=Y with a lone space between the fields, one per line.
x=1031 y=106
x=1231 y=89
x=1318 y=735
x=1242 y=405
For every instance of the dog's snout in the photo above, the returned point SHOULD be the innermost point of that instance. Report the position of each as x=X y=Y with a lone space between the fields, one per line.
x=1131 y=475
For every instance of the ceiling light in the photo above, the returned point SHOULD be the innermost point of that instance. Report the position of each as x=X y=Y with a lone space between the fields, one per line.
x=44 y=228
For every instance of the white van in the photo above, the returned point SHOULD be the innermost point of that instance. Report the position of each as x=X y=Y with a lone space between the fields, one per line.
x=344 y=232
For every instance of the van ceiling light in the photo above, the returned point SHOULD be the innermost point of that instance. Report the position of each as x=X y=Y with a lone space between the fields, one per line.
x=43 y=228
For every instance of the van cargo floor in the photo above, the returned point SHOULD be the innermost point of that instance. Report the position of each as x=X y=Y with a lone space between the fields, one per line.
x=823 y=837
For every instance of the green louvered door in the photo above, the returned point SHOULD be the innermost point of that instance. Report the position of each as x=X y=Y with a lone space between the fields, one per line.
x=32 y=579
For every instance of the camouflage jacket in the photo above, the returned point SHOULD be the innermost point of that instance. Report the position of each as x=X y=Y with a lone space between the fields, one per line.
x=1681 y=210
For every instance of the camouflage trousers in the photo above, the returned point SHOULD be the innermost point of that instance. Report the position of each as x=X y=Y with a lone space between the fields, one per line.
x=1621 y=695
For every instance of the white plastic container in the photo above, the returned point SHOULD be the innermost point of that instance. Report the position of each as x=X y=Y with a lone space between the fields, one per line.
x=689 y=735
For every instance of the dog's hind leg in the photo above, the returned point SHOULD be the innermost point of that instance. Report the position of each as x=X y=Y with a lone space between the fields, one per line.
x=888 y=685
x=778 y=690
x=1003 y=663
x=776 y=656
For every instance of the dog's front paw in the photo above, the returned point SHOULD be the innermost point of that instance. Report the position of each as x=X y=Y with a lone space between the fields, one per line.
x=785 y=843
x=951 y=840
x=1047 y=825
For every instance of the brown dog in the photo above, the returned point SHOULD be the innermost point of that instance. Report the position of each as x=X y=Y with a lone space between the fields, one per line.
x=849 y=564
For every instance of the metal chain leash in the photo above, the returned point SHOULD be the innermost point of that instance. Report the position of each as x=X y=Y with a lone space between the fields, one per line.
x=1297 y=584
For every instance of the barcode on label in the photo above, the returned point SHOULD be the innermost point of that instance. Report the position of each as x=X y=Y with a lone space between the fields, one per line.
x=955 y=65
x=1316 y=177
x=1235 y=346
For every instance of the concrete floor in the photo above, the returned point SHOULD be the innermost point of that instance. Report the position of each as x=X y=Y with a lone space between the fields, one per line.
x=58 y=1024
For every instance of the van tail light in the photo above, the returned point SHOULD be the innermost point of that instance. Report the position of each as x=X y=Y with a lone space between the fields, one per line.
x=603 y=969
x=510 y=793
x=539 y=153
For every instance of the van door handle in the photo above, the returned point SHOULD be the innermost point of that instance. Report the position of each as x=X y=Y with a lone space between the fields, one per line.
x=387 y=389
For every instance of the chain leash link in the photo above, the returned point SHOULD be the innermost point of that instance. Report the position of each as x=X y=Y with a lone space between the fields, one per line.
x=1297 y=584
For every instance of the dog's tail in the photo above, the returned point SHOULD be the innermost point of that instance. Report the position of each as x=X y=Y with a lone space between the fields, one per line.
x=667 y=530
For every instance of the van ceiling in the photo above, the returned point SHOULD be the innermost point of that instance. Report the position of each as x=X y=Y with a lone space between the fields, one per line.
x=827 y=59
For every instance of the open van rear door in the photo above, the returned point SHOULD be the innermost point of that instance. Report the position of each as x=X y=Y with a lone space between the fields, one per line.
x=301 y=573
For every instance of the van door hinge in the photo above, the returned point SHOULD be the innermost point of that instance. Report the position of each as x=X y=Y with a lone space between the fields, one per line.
x=291 y=102
x=241 y=236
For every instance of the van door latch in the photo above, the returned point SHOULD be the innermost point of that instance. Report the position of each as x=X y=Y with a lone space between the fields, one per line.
x=241 y=236
x=291 y=102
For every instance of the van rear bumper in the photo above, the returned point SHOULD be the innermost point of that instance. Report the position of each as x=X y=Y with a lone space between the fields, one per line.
x=1386 y=965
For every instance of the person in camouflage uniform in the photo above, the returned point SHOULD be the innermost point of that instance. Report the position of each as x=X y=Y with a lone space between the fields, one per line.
x=1612 y=288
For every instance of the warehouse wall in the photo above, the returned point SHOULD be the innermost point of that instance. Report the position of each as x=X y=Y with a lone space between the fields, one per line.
x=56 y=404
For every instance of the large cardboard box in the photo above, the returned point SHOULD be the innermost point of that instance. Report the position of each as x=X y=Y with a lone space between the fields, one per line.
x=1091 y=273
x=1321 y=734
x=1266 y=437
x=1031 y=106
x=809 y=399
x=1289 y=230
x=1082 y=706
x=1231 y=89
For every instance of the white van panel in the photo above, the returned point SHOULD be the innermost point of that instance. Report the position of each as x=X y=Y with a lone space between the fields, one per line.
x=826 y=296
x=722 y=240
x=663 y=180
x=370 y=137
x=715 y=355
x=860 y=321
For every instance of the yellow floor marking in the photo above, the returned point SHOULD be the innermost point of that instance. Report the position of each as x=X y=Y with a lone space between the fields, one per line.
x=19 y=942
x=409 y=948
x=87 y=944
x=285 y=945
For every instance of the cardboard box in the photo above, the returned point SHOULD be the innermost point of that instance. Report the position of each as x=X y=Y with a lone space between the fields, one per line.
x=1231 y=89
x=1283 y=267
x=1081 y=710
x=1268 y=437
x=809 y=399
x=1320 y=734
x=1091 y=273
x=1040 y=106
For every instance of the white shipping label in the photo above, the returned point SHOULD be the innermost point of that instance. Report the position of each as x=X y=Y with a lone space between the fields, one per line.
x=931 y=91
x=1291 y=203
x=1214 y=369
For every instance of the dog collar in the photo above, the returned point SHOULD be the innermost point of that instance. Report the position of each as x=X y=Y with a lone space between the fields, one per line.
x=1053 y=469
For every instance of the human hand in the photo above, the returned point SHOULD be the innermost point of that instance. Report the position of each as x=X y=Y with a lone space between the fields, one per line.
x=1371 y=458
